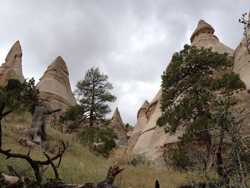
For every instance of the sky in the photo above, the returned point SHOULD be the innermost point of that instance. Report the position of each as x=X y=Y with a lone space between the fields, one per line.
x=131 y=41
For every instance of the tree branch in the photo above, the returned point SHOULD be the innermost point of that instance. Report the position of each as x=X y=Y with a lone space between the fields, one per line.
x=36 y=164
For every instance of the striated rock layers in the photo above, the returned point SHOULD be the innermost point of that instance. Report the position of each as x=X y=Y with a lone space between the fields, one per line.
x=147 y=138
x=118 y=127
x=12 y=68
x=54 y=86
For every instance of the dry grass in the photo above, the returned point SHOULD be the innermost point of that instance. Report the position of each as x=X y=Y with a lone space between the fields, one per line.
x=79 y=165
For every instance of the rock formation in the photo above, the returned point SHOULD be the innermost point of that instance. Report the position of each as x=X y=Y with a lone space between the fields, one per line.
x=118 y=127
x=203 y=36
x=54 y=86
x=147 y=138
x=12 y=68
x=242 y=67
x=242 y=58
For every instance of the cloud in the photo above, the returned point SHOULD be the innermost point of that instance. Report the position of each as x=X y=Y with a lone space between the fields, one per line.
x=131 y=41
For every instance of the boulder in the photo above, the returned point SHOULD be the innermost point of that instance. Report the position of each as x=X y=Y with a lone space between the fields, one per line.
x=54 y=86
x=12 y=68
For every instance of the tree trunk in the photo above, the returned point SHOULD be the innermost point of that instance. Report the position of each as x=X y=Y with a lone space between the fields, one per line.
x=91 y=115
x=220 y=163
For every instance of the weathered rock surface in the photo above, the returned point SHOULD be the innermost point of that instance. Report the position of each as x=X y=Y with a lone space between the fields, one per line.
x=147 y=138
x=242 y=58
x=12 y=68
x=203 y=36
x=118 y=127
x=54 y=86
x=242 y=67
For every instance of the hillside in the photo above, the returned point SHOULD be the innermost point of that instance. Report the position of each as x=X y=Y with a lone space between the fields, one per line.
x=79 y=165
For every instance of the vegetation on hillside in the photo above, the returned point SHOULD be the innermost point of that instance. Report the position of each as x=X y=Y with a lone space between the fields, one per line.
x=197 y=97
x=16 y=96
x=80 y=165
x=93 y=95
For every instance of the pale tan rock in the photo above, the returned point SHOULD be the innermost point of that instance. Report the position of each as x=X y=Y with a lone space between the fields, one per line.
x=142 y=120
x=118 y=127
x=242 y=59
x=203 y=36
x=54 y=86
x=151 y=138
x=141 y=117
x=12 y=68
x=147 y=138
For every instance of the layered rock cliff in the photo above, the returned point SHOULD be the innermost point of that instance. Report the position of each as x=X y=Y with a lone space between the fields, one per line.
x=54 y=86
x=147 y=138
x=12 y=68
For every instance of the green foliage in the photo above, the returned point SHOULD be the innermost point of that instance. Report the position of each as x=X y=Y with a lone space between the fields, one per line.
x=100 y=139
x=197 y=95
x=128 y=126
x=230 y=82
x=94 y=95
x=73 y=113
x=187 y=89
x=18 y=96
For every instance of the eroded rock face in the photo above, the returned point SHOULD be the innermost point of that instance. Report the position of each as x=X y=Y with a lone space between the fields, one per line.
x=54 y=86
x=147 y=138
x=242 y=58
x=118 y=127
x=203 y=36
x=12 y=68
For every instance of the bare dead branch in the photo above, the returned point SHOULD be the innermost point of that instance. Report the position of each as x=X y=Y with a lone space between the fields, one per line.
x=52 y=165
x=36 y=164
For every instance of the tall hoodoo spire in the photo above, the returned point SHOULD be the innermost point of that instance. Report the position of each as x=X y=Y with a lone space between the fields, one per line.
x=117 y=117
x=118 y=127
x=12 y=68
x=203 y=36
x=202 y=27
x=54 y=86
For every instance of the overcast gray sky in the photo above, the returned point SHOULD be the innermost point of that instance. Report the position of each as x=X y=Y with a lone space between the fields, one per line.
x=130 y=40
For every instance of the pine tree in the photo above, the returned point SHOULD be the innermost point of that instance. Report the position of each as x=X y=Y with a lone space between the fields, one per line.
x=94 y=94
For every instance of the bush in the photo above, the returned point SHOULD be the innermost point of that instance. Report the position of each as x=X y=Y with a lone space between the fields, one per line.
x=101 y=140
x=229 y=81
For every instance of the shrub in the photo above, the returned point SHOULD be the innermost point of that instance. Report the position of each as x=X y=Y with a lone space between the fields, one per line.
x=101 y=140
x=229 y=81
